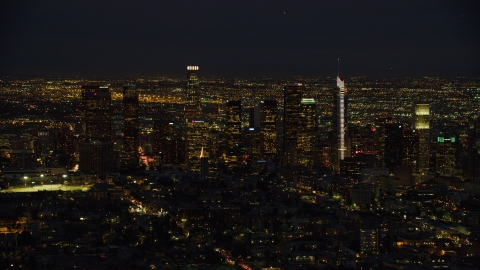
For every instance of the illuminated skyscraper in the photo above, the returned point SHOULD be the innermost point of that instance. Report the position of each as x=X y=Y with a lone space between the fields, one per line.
x=96 y=157
x=445 y=156
x=292 y=95
x=268 y=122
x=307 y=136
x=380 y=136
x=192 y=97
x=409 y=143
x=197 y=144
x=340 y=123
x=197 y=129
x=234 y=132
x=393 y=145
x=97 y=114
x=130 y=113
x=422 y=128
x=96 y=151
x=168 y=144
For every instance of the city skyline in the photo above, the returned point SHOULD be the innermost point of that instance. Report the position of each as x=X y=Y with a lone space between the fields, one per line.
x=281 y=38
x=239 y=173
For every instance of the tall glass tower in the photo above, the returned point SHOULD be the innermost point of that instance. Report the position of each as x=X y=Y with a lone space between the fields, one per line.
x=268 y=123
x=234 y=132
x=307 y=139
x=422 y=128
x=192 y=97
x=292 y=96
x=340 y=123
x=130 y=114
x=96 y=151
x=97 y=113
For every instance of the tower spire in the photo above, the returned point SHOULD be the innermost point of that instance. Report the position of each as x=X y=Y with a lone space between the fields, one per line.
x=338 y=74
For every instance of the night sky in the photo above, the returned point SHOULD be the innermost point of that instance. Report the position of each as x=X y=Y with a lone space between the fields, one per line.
x=240 y=38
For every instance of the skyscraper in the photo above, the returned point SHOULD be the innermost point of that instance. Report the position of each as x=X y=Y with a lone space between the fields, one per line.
x=409 y=143
x=422 y=128
x=268 y=115
x=96 y=151
x=97 y=114
x=234 y=132
x=96 y=157
x=197 y=144
x=292 y=95
x=471 y=166
x=130 y=113
x=380 y=138
x=192 y=97
x=445 y=156
x=168 y=144
x=340 y=123
x=307 y=138
x=393 y=145
x=196 y=128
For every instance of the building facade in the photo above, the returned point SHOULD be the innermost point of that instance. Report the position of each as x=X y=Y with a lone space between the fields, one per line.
x=292 y=96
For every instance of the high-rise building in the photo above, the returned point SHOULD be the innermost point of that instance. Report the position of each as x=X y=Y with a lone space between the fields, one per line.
x=422 y=128
x=96 y=151
x=268 y=113
x=97 y=114
x=445 y=156
x=471 y=166
x=197 y=144
x=340 y=124
x=130 y=113
x=233 y=132
x=65 y=140
x=96 y=157
x=307 y=135
x=254 y=117
x=252 y=142
x=292 y=96
x=393 y=145
x=168 y=144
x=409 y=155
x=380 y=138
x=192 y=97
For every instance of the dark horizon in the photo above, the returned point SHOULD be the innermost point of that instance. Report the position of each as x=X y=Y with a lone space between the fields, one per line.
x=240 y=39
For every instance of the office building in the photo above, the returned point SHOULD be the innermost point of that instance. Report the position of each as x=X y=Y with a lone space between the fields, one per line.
x=252 y=142
x=197 y=143
x=168 y=143
x=340 y=124
x=393 y=145
x=380 y=138
x=254 y=117
x=96 y=151
x=130 y=134
x=233 y=130
x=96 y=157
x=409 y=155
x=422 y=129
x=268 y=132
x=445 y=155
x=307 y=135
x=192 y=97
x=292 y=96
x=97 y=113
